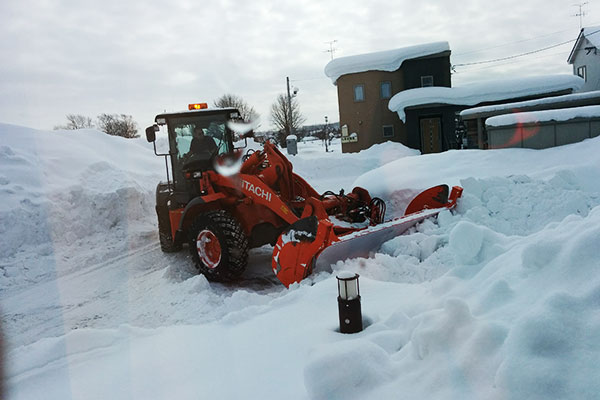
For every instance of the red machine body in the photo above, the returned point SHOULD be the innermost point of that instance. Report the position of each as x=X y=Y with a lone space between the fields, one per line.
x=267 y=191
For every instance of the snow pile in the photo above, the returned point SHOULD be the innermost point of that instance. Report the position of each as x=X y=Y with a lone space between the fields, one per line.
x=547 y=101
x=499 y=298
x=69 y=188
x=453 y=166
x=561 y=115
x=517 y=317
x=476 y=93
x=499 y=206
x=389 y=60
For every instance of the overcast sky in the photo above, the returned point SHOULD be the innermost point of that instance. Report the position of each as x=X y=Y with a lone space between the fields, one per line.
x=142 y=58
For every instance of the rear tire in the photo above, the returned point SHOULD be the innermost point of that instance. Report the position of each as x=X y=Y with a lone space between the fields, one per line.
x=164 y=232
x=218 y=246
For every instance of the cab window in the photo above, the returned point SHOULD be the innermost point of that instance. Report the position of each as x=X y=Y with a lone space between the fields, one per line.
x=184 y=133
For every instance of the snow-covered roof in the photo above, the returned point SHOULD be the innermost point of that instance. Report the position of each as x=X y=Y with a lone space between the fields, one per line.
x=563 y=114
x=481 y=92
x=591 y=33
x=388 y=60
x=469 y=112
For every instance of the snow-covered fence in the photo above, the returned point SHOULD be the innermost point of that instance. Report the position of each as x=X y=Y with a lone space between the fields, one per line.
x=543 y=129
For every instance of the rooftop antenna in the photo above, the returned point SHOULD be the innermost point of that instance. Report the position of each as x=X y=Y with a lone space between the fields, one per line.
x=331 y=48
x=581 y=13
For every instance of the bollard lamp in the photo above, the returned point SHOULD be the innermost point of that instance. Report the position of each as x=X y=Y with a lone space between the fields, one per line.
x=349 y=308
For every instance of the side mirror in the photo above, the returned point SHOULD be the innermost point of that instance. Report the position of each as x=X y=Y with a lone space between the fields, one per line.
x=151 y=133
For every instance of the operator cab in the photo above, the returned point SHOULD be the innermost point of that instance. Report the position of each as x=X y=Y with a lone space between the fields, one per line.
x=196 y=138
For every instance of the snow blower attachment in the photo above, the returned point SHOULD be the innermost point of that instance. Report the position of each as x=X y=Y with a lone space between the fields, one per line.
x=221 y=207
x=312 y=243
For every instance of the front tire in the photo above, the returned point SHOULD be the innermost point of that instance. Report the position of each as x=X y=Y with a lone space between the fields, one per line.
x=218 y=246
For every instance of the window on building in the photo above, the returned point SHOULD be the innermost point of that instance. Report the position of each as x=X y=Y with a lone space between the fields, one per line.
x=388 y=131
x=359 y=92
x=386 y=90
x=426 y=81
x=581 y=71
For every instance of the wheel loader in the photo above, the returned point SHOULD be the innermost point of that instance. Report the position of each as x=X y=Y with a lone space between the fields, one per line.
x=222 y=202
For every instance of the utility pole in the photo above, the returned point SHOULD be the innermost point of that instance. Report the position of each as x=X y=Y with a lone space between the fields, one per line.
x=289 y=113
x=581 y=13
x=331 y=48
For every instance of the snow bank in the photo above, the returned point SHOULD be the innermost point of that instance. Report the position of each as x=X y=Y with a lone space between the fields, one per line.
x=389 y=60
x=476 y=93
x=62 y=188
x=512 y=316
x=561 y=115
x=576 y=161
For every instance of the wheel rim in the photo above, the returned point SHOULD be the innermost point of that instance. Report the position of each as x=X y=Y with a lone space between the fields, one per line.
x=209 y=248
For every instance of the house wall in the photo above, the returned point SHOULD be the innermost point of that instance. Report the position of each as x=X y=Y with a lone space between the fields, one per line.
x=475 y=123
x=592 y=64
x=447 y=115
x=438 y=67
x=543 y=135
x=367 y=118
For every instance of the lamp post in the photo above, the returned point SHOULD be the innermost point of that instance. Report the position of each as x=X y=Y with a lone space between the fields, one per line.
x=326 y=134
x=349 y=308
x=289 y=113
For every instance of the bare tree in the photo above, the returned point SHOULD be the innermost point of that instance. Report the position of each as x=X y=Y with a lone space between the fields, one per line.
x=286 y=116
x=118 y=125
x=247 y=112
x=75 y=121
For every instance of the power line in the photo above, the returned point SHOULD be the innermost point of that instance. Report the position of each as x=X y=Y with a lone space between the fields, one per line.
x=515 y=56
x=521 y=54
x=509 y=43
x=512 y=62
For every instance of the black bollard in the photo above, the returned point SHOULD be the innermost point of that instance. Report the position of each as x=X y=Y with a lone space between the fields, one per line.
x=349 y=303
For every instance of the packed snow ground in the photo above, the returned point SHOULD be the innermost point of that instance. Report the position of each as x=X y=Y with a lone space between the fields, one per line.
x=497 y=299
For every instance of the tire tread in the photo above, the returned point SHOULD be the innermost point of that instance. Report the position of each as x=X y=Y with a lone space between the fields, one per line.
x=236 y=245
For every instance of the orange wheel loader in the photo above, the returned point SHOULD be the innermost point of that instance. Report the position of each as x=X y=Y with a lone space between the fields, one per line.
x=222 y=203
